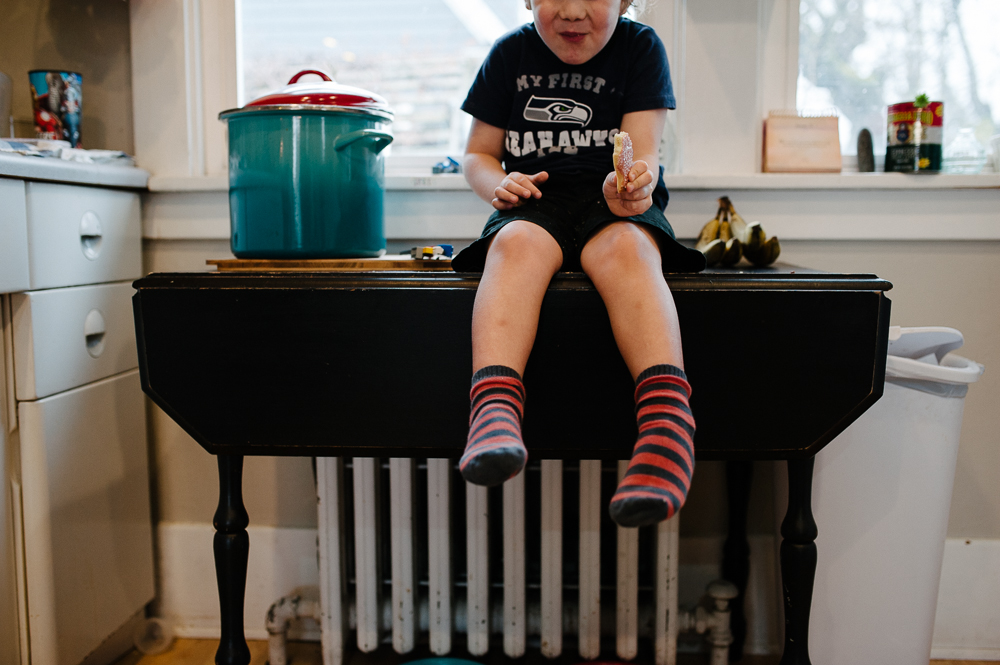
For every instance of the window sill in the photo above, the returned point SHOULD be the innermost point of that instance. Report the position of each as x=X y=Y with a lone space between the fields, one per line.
x=753 y=181
x=847 y=180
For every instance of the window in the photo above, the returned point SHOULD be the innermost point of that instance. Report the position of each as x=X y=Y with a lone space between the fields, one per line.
x=420 y=55
x=858 y=56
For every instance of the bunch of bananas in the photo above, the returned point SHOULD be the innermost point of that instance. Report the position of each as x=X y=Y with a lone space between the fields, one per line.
x=727 y=237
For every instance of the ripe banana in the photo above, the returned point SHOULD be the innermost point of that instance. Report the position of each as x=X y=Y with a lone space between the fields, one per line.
x=709 y=232
x=734 y=248
x=709 y=243
x=733 y=253
x=767 y=254
x=713 y=252
x=757 y=247
x=725 y=230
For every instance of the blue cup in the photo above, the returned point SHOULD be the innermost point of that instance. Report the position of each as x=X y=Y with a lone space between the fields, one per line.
x=57 y=99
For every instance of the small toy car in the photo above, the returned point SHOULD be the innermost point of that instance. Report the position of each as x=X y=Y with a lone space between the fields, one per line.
x=439 y=252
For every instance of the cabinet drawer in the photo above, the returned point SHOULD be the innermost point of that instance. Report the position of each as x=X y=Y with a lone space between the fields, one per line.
x=13 y=237
x=82 y=235
x=87 y=531
x=64 y=338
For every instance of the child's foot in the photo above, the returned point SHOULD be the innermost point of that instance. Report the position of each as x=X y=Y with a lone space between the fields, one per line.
x=495 y=451
x=656 y=483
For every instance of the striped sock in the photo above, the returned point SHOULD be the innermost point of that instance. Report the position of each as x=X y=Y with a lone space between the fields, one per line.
x=656 y=483
x=494 y=452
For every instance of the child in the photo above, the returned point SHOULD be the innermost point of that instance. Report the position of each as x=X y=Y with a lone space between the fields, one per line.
x=546 y=104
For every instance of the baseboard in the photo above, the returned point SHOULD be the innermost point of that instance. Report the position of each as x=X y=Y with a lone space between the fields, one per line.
x=282 y=561
x=957 y=653
x=967 y=624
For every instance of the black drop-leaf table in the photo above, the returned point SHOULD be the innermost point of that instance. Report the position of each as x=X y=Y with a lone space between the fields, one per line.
x=781 y=360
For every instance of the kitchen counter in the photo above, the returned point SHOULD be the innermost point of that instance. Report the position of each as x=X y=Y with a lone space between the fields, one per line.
x=58 y=170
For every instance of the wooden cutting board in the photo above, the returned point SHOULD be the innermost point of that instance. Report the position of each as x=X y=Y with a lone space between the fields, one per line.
x=388 y=262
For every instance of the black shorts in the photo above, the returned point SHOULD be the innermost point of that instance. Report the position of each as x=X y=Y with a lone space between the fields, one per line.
x=571 y=212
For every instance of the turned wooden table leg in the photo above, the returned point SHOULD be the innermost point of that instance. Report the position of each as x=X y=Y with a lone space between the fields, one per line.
x=798 y=561
x=232 y=549
x=736 y=551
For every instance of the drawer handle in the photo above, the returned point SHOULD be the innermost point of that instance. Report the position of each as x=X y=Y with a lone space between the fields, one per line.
x=93 y=332
x=90 y=235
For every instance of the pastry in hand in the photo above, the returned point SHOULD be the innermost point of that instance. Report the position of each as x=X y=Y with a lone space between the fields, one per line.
x=623 y=159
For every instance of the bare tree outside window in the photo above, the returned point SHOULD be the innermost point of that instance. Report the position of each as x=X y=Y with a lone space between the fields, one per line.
x=859 y=56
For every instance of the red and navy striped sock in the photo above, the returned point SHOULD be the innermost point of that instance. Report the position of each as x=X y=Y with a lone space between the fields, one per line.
x=494 y=452
x=656 y=484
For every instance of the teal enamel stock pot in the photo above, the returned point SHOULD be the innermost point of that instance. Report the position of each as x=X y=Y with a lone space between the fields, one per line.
x=307 y=173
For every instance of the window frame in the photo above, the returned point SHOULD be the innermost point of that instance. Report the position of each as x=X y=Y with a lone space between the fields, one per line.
x=185 y=62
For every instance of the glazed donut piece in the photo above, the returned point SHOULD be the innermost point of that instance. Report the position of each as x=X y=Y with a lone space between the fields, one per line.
x=622 y=158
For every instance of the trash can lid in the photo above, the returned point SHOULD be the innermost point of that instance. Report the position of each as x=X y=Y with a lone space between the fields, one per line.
x=920 y=342
x=923 y=355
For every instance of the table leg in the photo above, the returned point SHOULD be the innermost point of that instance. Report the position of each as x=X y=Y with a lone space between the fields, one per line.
x=798 y=561
x=736 y=551
x=232 y=549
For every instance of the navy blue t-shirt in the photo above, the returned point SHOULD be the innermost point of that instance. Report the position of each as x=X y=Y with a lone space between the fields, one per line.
x=562 y=118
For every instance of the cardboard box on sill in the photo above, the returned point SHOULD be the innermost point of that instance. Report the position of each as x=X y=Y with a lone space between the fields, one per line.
x=797 y=144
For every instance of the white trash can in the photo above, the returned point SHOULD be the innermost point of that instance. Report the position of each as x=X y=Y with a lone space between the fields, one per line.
x=881 y=497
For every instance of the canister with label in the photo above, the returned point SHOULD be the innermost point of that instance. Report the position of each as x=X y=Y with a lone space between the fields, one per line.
x=901 y=143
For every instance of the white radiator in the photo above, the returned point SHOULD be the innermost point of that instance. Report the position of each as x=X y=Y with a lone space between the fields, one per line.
x=491 y=575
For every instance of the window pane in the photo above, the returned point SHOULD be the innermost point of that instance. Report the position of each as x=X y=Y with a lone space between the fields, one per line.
x=861 y=55
x=420 y=55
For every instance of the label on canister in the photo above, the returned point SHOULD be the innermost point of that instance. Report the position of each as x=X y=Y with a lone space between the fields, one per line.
x=901 y=143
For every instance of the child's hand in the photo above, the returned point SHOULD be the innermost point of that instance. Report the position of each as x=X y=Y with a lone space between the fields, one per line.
x=517 y=187
x=638 y=194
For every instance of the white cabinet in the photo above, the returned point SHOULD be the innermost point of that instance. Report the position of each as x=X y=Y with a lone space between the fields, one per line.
x=13 y=236
x=67 y=337
x=75 y=507
x=85 y=500
x=82 y=235
x=10 y=636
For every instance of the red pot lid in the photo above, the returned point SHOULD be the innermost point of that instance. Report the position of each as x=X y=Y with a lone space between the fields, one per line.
x=324 y=95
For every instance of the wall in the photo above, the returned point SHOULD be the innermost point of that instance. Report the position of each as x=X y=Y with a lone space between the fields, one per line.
x=936 y=239
x=91 y=38
x=934 y=283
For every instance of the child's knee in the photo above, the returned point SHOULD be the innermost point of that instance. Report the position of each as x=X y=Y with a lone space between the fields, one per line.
x=522 y=240
x=620 y=244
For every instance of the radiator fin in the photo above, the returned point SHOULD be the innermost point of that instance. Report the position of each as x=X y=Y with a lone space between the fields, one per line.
x=439 y=554
x=552 y=573
x=590 y=559
x=477 y=565
x=366 y=554
x=627 y=588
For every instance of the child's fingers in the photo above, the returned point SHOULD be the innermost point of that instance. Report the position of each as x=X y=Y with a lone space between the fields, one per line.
x=505 y=195
x=526 y=187
x=638 y=168
x=639 y=182
x=611 y=186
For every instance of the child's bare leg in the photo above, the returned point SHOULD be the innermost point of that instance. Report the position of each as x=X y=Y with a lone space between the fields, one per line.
x=623 y=261
x=521 y=261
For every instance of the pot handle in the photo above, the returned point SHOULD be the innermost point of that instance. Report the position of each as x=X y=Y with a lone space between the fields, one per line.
x=379 y=140
x=295 y=79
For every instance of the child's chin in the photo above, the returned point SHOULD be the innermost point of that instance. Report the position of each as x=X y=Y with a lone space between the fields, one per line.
x=574 y=57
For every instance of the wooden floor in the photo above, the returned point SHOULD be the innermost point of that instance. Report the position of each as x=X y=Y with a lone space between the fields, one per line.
x=202 y=652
